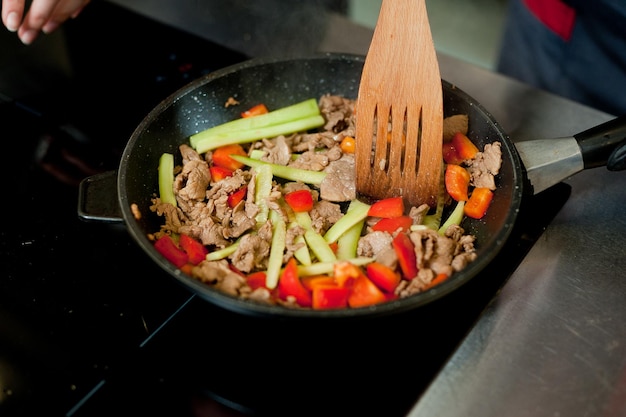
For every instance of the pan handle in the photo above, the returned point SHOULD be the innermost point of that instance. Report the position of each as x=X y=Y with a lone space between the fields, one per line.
x=98 y=198
x=604 y=144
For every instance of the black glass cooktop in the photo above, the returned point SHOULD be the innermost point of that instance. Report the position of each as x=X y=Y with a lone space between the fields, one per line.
x=89 y=326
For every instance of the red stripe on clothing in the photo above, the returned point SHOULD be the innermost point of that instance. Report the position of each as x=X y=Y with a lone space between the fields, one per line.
x=556 y=15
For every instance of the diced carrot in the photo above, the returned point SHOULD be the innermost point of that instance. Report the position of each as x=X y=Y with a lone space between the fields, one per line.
x=478 y=203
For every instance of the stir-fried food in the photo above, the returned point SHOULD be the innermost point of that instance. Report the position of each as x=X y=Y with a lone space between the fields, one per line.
x=276 y=219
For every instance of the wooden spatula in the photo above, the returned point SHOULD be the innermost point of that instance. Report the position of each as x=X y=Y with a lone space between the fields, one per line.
x=399 y=112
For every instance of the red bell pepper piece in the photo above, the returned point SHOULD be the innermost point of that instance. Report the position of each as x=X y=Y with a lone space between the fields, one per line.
x=364 y=292
x=345 y=272
x=384 y=277
x=236 y=197
x=300 y=200
x=405 y=250
x=329 y=296
x=457 y=180
x=196 y=251
x=314 y=281
x=256 y=280
x=255 y=110
x=459 y=149
x=290 y=285
x=387 y=207
x=478 y=203
x=392 y=224
x=166 y=246
x=221 y=156
x=219 y=173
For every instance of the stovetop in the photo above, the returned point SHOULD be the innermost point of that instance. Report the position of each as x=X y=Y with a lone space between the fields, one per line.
x=90 y=326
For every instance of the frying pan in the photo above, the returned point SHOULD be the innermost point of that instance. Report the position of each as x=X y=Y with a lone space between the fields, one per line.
x=280 y=82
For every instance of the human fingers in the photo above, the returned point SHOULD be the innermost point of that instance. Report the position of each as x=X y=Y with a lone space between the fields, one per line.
x=12 y=12
x=47 y=15
x=65 y=10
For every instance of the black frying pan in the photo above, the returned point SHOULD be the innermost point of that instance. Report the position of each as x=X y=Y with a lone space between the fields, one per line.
x=280 y=82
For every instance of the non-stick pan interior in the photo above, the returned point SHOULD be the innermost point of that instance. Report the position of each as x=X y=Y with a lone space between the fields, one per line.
x=278 y=83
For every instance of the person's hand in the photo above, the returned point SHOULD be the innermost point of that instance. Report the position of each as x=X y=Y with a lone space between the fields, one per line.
x=42 y=16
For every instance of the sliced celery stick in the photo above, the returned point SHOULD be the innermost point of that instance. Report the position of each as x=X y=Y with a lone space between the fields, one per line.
x=166 y=179
x=283 y=115
x=275 y=261
x=320 y=268
x=209 y=141
x=222 y=253
x=348 y=243
x=356 y=212
x=302 y=254
x=319 y=246
x=293 y=174
x=263 y=188
x=456 y=217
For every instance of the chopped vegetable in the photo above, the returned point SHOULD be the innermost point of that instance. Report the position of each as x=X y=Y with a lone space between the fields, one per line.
x=263 y=188
x=295 y=118
x=222 y=156
x=364 y=292
x=387 y=207
x=222 y=253
x=348 y=242
x=348 y=144
x=383 y=276
x=293 y=174
x=302 y=110
x=478 y=203
x=330 y=296
x=456 y=217
x=277 y=249
x=237 y=196
x=219 y=173
x=459 y=149
x=319 y=268
x=291 y=286
x=457 y=182
x=166 y=246
x=166 y=179
x=257 y=110
x=299 y=200
x=196 y=251
x=392 y=224
x=405 y=250
x=356 y=212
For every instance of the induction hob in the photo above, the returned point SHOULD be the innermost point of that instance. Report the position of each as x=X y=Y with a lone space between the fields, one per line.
x=90 y=326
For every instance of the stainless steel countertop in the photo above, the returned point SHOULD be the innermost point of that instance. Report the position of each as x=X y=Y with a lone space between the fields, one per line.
x=553 y=341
